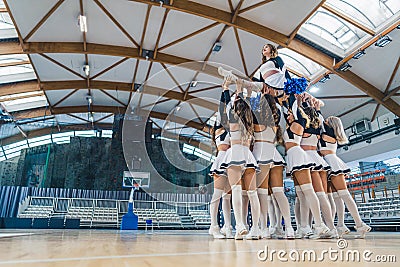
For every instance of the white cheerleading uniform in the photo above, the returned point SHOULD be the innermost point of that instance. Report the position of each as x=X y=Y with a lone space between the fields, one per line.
x=264 y=148
x=296 y=158
x=312 y=140
x=278 y=159
x=216 y=166
x=337 y=165
x=273 y=73
x=237 y=154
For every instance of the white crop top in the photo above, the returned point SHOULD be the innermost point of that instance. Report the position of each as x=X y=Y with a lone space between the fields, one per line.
x=267 y=135
x=235 y=136
x=324 y=145
x=290 y=137
x=226 y=141
x=311 y=140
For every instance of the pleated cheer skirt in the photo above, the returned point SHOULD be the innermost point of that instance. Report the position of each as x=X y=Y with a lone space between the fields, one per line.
x=337 y=165
x=264 y=153
x=216 y=166
x=278 y=159
x=239 y=155
x=320 y=163
x=297 y=159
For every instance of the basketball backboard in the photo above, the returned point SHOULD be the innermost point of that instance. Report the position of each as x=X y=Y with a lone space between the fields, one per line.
x=132 y=179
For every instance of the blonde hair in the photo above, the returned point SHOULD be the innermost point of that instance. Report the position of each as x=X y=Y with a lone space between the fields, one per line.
x=305 y=116
x=311 y=112
x=274 y=52
x=337 y=126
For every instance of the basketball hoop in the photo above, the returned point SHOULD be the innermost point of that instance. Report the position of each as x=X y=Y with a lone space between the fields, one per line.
x=135 y=186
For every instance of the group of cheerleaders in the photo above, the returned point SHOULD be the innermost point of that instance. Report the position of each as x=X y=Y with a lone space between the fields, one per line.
x=249 y=168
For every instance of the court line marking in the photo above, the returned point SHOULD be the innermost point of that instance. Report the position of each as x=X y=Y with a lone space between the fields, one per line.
x=125 y=256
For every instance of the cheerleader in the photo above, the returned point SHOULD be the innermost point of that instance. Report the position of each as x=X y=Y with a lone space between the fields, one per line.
x=309 y=144
x=299 y=166
x=333 y=134
x=263 y=151
x=221 y=184
x=269 y=79
x=276 y=179
x=240 y=162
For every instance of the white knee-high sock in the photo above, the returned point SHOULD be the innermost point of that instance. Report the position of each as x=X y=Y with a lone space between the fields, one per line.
x=283 y=204
x=278 y=214
x=214 y=204
x=313 y=202
x=297 y=212
x=325 y=209
x=245 y=207
x=339 y=209
x=226 y=209
x=237 y=203
x=304 y=209
x=255 y=207
x=310 y=217
x=263 y=197
x=271 y=211
x=351 y=206
x=333 y=205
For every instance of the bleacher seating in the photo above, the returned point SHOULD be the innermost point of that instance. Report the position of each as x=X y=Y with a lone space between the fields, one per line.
x=85 y=214
x=105 y=217
x=158 y=216
x=200 y=217
x=378 y=208
x=365 y=180
x=36 y=211
x=167 y=216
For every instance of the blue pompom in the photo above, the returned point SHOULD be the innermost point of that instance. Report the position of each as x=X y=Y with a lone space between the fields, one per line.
x=295 y=85
x=255 y=102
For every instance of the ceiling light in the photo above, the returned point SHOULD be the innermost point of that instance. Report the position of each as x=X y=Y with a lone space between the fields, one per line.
x=82 y=23
x=314 y=89
x=325 y=78
x=91 y=117
x=86 y=70
x=193 y=83
x=217 y=47
x=345 y=66
x=89 y=99
x=383 y=41
x=359 y=54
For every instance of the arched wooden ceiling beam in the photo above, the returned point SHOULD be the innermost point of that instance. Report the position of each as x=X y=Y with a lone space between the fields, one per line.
x=19 y=88
x=53 y=129
x=106 y=85
x=86 y=126
x=42 y=112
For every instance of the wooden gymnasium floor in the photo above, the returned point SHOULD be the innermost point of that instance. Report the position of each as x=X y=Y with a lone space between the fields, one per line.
x=173 y=248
